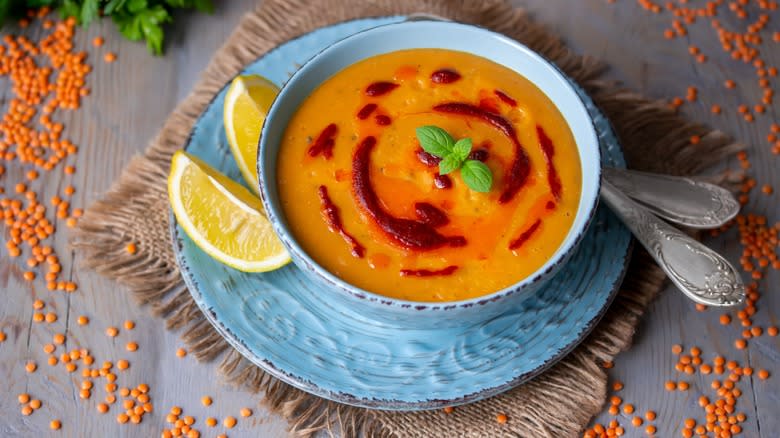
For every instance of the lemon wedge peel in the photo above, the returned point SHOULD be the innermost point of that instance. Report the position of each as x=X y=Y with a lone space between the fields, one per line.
x=234 y=195
x=247 y=102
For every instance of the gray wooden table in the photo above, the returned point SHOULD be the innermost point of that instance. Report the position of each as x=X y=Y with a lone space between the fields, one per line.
x=132 y=97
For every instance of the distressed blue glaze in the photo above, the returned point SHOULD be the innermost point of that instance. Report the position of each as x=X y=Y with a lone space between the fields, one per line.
x=283 y=322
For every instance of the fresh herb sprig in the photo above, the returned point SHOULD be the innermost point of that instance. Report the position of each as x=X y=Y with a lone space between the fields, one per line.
x=454 y=155
x=136 y=19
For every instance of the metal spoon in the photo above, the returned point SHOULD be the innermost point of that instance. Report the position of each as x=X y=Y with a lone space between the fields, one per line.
x=684 y=201
x=701 y=273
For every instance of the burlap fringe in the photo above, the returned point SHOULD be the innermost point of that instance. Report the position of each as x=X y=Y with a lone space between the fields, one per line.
x=135 y=209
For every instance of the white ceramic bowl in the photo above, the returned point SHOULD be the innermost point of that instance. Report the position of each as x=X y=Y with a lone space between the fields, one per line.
x=443 y=35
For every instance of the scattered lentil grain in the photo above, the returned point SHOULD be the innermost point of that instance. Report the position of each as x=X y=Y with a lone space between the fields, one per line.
x=230 y=422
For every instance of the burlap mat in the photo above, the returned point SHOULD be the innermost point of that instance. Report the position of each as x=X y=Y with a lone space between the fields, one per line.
x=559 y=402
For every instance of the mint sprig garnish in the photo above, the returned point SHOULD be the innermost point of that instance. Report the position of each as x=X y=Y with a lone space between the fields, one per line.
x=435 y=141
x=476 y=175
x=454 y=156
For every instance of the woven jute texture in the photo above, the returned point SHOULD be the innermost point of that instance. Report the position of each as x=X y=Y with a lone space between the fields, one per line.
x=557 y=403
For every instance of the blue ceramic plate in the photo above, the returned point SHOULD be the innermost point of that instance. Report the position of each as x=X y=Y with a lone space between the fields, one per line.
x=279 y=321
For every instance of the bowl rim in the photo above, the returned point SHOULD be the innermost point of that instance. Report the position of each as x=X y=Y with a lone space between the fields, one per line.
x=304 y=261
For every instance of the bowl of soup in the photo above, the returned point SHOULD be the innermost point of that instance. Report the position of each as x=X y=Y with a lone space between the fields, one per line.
x=390 y=226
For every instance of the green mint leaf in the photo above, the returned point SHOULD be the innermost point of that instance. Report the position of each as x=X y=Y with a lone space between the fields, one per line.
x=476 y=175
x=435 y=141
x=449 y=164
x=462 y=148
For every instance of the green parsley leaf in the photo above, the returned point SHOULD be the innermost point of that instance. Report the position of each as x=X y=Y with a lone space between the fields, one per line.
x=179 y=3
x=435 y=141
x=477 y=176
x=113 y=6
x=204 y=6
x=144 y=24
x=32 y=4
x=136 y=19
x=5 y=10
x=128 y=26
x=449 y=164
x=89 y=11
x=153 y=33
x=462 y=149
x=201 y=5
x=70 y=8
x=136 y=6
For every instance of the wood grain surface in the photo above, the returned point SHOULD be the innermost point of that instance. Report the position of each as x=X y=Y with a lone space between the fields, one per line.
x=131 y=98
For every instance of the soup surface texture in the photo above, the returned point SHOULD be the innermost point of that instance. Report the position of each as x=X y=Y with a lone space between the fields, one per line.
x=368 y=204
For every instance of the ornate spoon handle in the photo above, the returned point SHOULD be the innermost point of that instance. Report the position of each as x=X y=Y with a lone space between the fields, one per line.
x=680 y=200
x=698 y=271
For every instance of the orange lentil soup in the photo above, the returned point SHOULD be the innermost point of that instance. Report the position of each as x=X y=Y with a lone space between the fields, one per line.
x=367 y=203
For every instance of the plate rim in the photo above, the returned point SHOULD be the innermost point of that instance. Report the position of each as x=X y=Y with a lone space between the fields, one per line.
x=310 y=387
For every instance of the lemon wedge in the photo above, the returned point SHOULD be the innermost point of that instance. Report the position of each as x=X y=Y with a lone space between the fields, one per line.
x=222 y=217
x=246 y=104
